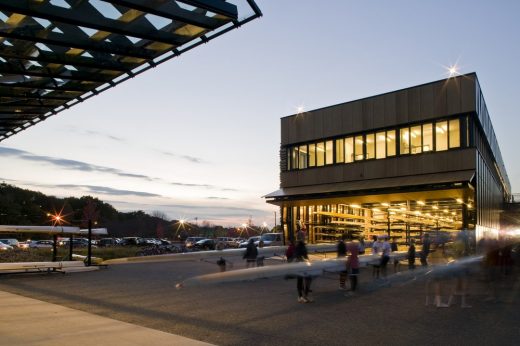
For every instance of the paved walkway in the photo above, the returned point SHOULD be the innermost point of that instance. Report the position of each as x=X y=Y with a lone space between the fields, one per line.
x=27 y=321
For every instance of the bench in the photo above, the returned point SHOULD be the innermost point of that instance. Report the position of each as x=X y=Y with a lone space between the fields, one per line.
x=28 y=267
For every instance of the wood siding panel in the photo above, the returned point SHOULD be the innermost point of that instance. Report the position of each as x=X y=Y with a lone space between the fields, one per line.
x=402 y=106
x=357 y=117
x=414 y=105
x=453 y=96
x=390 y=109
x=368 y=114
x=426 y=92
x=439 y=100
x=468 y=102
x=379 y=112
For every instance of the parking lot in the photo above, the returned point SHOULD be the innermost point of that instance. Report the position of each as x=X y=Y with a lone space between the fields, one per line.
x=265 y=312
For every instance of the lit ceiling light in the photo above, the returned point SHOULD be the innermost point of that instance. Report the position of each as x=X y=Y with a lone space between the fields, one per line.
x=356 y=206
x=385 y=204
x=446 y=210
x=435 y=207
x=420 y=202
x=375 y=209
x=460 y=201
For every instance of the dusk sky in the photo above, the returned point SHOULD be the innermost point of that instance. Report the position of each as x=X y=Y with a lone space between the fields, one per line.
x=198 y=136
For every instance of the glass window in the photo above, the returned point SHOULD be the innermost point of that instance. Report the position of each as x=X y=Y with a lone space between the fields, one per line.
x=454 y=133
x=390 y=143
x=358 y=148
x=329 y=154
x=294 y=157
x=371 y=146
x=405 y=141
x=340 y=151
x=427 y=139
x=312 y=155
x=380 y=145
x=349 y=149
x=302 y=157
x=416 y=139
x=320 y=154
x=441 y=136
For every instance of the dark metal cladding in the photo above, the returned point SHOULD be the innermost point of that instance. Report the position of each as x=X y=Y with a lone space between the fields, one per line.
x=56 y=54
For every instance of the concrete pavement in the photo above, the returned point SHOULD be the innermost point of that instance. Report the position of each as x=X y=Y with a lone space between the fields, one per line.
x=27 y=321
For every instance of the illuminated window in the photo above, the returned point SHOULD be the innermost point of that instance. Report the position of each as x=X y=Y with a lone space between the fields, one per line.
x=405 y=141
x=441 y=136
x=329 y=153
x=320 y=154
x=340 y=150
x=454 y=133
x=390 y=143
x=427 y=137
x=371 y=146
x=358 y=148
x=380 y=145
x=302 y=157
x=288 y=159
x=416 y=139
x=294 y=158
x=312 y=155
x=349 y=149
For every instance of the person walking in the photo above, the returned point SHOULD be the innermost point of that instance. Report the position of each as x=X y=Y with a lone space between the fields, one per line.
x=385 y=255
x=425 y=250
x=411 y=255
x=303 y=282
x=342 y=253
x=289 y=253
x=353 y=266
x=251 y=254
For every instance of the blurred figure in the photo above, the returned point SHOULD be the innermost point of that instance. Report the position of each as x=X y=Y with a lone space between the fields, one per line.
x=376 y=250
x=385 y=255
x=222 y=264
x=361 y=246
x=251 y=254
x=303 y=283
x=411 y=255
x=260 y=259
x=425 y=250
x=289 y=253
x=353 y=266
x=341 y=251
x=438 y=275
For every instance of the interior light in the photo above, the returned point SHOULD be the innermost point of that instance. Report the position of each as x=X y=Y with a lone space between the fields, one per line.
x=460 y=201
x=420 y=202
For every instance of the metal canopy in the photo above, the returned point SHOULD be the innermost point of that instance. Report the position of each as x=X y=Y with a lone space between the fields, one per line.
x=57 y=53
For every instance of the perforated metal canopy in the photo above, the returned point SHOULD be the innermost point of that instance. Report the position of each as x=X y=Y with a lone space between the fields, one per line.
x=57 y=53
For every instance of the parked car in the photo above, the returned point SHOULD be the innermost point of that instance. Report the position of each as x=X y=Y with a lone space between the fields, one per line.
x=271 y=239
x=133 y=241
x=41 y=244
x=10 y=241
x=76 y=242
x=244 y=243
x=5 y=247
x=190 y=241
x=104 y=242
x=205 y=244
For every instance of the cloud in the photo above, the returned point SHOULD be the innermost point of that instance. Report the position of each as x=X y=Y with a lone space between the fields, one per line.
x=105 y=190
x=213 y=197
x=88 y=167
x=189 y=158
x=94 y=133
